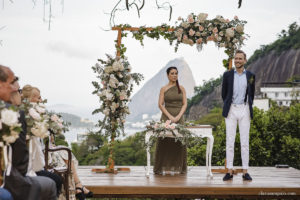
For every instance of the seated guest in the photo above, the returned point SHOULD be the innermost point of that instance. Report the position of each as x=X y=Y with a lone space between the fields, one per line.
x=32 y=94
x=5 y=195
x=17 y=183
x=59 y=158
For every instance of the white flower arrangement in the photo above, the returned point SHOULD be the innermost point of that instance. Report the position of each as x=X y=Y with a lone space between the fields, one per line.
x=56 y=124
x=114 y=89
x=197 y=29
x=36 y=119
x=169 y=129
x=10 y=127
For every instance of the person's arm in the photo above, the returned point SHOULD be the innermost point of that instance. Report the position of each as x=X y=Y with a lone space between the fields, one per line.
x=253 y=88
x=161 y=106
x=184 y=105
x=224 y=87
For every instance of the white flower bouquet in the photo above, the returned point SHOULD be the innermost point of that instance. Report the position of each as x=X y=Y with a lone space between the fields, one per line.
x=36 y=119
x=169 y=129
x=56 y=124
x=10 y=127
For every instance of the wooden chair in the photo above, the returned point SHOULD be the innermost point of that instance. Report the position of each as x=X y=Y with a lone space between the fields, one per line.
x=1 y=165
x=65 y=171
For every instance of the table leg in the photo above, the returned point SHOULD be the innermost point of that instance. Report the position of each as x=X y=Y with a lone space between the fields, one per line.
x=148 y=162
x=211 y=145
x=207 y=156
x=147 y=137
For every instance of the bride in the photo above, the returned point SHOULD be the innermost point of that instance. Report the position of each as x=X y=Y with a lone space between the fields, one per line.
x=171 y=155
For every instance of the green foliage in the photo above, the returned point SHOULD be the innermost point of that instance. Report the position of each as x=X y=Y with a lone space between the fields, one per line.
x=213 y=118
x=287 y=40
x=274 y=139
x=61 y=140
x=86 y=151
x=202 y=90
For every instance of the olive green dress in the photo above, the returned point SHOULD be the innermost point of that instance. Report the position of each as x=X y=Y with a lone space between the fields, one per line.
x=171 y=155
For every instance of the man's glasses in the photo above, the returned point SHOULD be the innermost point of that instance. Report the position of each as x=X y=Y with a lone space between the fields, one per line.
x=15 y=80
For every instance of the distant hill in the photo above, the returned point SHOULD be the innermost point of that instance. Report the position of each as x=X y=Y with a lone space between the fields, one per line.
x=76 y=121
x=276 y=62
x=145 y=101
x=82 y=112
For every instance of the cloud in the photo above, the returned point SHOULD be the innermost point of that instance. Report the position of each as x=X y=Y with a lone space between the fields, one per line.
x=70 y=50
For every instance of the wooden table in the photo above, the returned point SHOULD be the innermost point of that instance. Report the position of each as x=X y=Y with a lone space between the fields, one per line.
x=198 y=131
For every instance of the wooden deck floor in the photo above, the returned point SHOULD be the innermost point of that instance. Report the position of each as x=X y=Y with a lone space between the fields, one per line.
x=268 y=182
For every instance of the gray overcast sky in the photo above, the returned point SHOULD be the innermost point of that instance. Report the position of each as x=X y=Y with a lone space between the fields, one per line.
x=59 y=61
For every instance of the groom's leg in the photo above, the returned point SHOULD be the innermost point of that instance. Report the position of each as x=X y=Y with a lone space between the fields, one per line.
x=231 y=123
x=244 y=127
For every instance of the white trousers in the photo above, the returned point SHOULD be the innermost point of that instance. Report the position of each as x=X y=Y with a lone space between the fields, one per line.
x=238 y=114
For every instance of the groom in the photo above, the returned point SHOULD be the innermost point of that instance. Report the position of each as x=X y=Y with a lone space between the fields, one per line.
x=238 y=93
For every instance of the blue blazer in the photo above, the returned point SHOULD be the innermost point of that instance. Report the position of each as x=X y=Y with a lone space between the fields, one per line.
x=227 y=91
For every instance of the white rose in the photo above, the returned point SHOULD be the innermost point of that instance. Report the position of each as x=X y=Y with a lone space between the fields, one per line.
x=239 y=28
x=202 y=17
x=185 y=24
x=9 y=117
x=114 y=106
x=219 y=17
x=40 y=129
x=107 y=69
x=35 y=115
x=109 y=96
x=42 y=105
x=40 y=109
x=121 y=67
x=229 y=32
x=106 y=112
x=60 y=125
x=54 y=118
x=14 y=133
x=10 y=139
x=118 y=66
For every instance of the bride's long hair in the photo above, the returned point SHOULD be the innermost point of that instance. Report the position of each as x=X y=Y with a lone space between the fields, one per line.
x=177 y=83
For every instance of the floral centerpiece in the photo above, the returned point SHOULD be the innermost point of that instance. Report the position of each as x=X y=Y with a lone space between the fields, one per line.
x=169 y=129
x=56 y=124
x=10 y=127
x=114 y=89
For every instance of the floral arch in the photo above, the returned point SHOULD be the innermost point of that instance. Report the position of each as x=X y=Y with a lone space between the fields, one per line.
x=116 y=80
